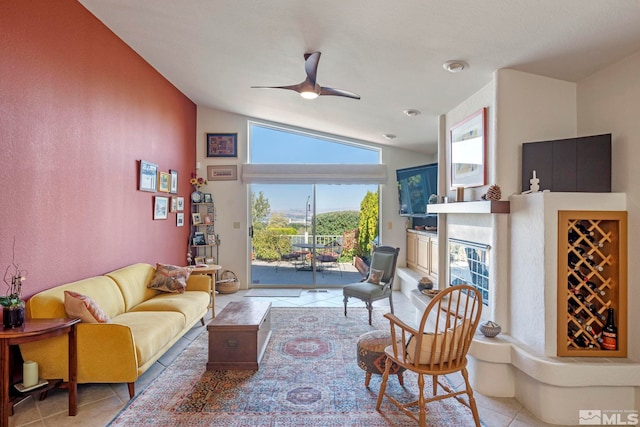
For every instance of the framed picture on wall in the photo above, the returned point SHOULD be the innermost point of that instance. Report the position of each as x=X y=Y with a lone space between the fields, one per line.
x=174 y=182
x=180 y=204
x=148 y=178
x=160 y=207
x=180 y=219
x=222 y=145
x=222 y=172
x=468 y=151
x=164 y=182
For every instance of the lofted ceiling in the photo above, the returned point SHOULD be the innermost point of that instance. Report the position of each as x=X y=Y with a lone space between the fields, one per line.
x=390 y=53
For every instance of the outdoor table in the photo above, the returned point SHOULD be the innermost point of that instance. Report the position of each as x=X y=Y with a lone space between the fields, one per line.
x=313 y=247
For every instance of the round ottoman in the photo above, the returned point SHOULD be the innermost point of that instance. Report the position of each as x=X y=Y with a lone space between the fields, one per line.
x=371 y=356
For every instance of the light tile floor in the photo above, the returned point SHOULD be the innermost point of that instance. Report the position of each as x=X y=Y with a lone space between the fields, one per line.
x=100 y=403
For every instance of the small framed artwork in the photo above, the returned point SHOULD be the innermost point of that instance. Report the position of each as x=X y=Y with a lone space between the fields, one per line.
x=211 y=261
x=180 y=204
x=222 y=173
x=199 y=260
x=199 y=238
x=211 y=239
x=160 y=207
x=180 y=219
x=174 y=204
x=196 y=218
x=208 y=198
x=468 y=151
x=148 y=179
x=208 y=219
x=174 y=182
x=222 y=145
x=164 y=182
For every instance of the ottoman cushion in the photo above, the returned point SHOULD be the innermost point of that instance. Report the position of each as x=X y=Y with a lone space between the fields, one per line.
x=371 y=356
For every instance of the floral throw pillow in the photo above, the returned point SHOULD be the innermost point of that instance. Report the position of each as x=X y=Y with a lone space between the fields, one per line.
x=375 y=276
x=84 y=307
x=170 y=278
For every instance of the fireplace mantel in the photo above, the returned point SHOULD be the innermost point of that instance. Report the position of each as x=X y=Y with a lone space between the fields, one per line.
x=477 y=207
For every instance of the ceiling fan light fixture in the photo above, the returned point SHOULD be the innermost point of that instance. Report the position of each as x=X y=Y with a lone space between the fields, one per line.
x=309 y=95
x=412 y=112
x=455 y=66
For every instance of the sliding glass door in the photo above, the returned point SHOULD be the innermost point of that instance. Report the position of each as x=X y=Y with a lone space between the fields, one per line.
x=305 y=235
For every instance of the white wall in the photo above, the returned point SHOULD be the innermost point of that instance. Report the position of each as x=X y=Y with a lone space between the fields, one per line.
x=608 y=102
x=521 y=108
x=231 y=197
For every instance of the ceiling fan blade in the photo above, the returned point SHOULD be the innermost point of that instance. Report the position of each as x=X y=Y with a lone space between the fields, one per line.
x=338 y=92
x=311 y=66
x=297 y=87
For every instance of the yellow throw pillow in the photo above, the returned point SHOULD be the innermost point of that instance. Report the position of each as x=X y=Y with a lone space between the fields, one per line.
x=375 y=276
x=84 y=307
x=170 y=278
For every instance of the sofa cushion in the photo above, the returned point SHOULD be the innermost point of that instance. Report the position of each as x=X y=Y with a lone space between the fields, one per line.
x=84 y=307
x=151 y=330
x=170 y=278
x=190 y=304
x=49 y=303
x=132 y=281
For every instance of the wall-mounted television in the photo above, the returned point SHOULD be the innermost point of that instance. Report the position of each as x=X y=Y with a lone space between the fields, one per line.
x=415 y=185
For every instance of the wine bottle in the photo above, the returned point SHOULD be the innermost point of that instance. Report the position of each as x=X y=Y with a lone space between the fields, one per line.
x=576 y=239
x=573 y=306
x=580 y=341
x=579 y=317
x=574 y=260
x=594 y=288
x=584 y=230
x=610 y=333
x=583 y=252
x=592 y=308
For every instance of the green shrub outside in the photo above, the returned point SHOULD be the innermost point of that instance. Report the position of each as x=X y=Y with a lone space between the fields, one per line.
x=268 y=244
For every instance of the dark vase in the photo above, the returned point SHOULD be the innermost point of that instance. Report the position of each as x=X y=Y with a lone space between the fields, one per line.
x=13 y=316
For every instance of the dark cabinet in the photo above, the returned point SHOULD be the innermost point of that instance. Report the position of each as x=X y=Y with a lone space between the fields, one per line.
x=574 y=165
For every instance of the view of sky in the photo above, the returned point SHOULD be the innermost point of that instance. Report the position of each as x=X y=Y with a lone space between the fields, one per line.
x=270 y=145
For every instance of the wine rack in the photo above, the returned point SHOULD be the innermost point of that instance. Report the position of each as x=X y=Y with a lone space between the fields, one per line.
x=592 y=277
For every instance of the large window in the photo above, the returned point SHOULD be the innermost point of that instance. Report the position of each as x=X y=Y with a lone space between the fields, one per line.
x=296 y=204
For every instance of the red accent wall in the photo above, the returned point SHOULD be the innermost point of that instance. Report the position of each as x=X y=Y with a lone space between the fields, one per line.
x=78 y=110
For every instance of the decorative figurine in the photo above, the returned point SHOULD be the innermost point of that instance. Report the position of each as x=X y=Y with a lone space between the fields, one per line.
x=494 y=193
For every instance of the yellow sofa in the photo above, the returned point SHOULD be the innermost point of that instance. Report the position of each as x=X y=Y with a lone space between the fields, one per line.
x=144 y=324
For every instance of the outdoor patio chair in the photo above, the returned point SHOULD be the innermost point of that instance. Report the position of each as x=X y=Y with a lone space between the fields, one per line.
x=437 y=347
x=379 y=283
x=329 y=257
x=291 y=258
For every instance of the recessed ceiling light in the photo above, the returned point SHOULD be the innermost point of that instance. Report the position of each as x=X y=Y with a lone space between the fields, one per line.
x=411 y=113
x=455 y=66
x=389 y=136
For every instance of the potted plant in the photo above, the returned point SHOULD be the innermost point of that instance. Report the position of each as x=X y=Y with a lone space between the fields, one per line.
x=12 y=303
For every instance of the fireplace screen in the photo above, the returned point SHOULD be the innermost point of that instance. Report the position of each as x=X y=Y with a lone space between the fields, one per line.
x=469 y=263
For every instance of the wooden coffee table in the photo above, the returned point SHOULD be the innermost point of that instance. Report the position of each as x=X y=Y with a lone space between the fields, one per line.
x=238 y=336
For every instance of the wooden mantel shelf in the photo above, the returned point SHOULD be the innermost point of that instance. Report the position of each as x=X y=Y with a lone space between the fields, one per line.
x=477 y=207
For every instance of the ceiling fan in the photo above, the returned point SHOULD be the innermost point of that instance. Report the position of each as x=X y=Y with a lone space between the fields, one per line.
x=310 y=88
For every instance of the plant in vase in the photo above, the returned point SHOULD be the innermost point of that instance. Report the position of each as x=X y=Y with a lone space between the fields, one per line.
x=12 y=303
x=197 y=183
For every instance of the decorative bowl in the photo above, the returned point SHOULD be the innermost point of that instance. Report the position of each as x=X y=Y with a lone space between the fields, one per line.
x=490 y=329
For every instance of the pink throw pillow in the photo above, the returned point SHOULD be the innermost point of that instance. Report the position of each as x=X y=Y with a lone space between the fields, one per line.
x=84 y=307
x=170 y=278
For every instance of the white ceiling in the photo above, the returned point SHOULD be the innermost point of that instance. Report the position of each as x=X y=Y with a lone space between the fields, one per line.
x=389 y=52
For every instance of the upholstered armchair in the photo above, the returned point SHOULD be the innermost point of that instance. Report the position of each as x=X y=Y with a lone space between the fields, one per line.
x=379 y=283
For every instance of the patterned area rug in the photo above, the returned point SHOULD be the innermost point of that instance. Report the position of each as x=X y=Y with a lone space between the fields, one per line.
x=308 y=377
